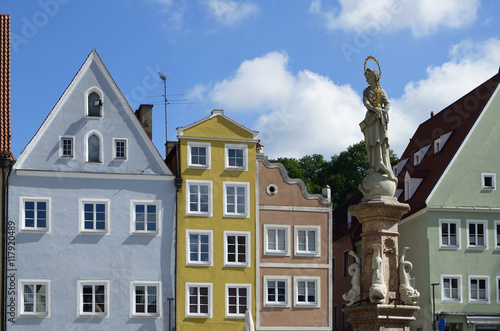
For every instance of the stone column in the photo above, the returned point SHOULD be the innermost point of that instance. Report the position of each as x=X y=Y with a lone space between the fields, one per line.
x=379 y=218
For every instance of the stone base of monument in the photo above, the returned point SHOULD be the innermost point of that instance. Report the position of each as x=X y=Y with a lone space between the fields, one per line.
x=382 y=317
x=379 y=216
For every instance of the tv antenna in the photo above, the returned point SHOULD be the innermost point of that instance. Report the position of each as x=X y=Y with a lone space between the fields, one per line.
x=164 y=79
x=167 y=102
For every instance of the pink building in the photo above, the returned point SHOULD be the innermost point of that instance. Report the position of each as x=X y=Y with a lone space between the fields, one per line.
x=294 y=254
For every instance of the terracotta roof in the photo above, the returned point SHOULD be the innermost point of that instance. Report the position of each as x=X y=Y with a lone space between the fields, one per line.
x=449 y=128
x=5 y=145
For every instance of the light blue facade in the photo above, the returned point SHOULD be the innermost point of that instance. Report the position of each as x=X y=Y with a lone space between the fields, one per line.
x=93 y=240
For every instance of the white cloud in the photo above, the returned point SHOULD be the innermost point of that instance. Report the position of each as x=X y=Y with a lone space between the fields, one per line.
x=471 y=63
x=229 y=12
x=422 y=17
x=295 y=114
x=306 y=113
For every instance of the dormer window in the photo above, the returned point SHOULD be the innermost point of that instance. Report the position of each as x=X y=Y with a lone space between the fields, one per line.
x=93 y=148
x=94 y=105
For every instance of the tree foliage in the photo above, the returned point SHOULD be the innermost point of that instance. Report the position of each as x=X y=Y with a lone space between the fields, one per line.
x=342 y=173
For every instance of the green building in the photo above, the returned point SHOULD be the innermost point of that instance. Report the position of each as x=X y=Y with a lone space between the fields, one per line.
x=448 y=176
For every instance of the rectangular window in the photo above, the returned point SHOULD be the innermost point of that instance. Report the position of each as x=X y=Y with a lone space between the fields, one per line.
x=199 y=300
x=307 y=291
x=276 y=239
x=145 y=217
x=199 y=198
x=346 y=263
x=67 y=147
x=199 y=247
x=449 y=234
x=236 y=157
x=479 y=289
x=488 y=181
x=94 y=216
x=237 y=300
x=120 y=148
x=477 y=234
x=94 y=298
x=277 y=291
x=35 y=297
x=198 y=155
x=237 y=249
x=451 y=288
x=498 y=289
x=497 y=234
x=35 y=213
x=236 y=199
x=306 y=240
x=146 y=299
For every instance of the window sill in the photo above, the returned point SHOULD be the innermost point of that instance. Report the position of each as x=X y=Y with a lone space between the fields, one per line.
x=236 y=215
x=477 y=248
x=271 y=253
x=199 y=264
x=233 y=317
x=236 y=169
x=199 y=316
x=277 y=305
x=28 y=230
x=449 y=248
x=146 y=316
x=306 y=305
x=146 y=233
x=198 y=166
x=311 y=254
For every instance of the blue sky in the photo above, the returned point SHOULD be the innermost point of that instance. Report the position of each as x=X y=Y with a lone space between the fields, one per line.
x=290 y=69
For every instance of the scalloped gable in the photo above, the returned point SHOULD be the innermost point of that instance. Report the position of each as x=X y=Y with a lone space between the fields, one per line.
x=68 y=118
x=291 y=191
x=217 y=125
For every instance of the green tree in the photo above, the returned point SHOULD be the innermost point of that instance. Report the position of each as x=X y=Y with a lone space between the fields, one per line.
x=342 y=173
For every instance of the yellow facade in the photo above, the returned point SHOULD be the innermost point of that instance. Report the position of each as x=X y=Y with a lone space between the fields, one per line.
x=226 y=221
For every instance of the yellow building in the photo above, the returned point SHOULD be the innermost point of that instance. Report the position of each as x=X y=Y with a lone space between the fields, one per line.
x=216 y=263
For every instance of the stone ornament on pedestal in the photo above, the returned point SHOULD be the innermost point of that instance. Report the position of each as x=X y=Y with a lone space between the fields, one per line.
x=381 y=306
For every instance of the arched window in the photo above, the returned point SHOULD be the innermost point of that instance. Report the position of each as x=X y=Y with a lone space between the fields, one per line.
x=94 y=105
x=94 y=148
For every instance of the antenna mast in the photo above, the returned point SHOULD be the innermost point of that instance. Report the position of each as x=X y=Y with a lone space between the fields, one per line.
x=164 y=79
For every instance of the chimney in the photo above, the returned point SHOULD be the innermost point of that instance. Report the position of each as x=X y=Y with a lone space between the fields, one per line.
x=145 y=116
x=5 y=139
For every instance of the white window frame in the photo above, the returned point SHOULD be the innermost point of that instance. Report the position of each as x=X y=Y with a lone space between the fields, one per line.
x=210 y=261
x=317 y=230
x=485 y=234
x=210 y=301
x=287 y=302
x=35 y=282
x=22 y=216
x=61 y=147
x=247 y=249
x=133 y=215
x=459 y=290
x=208 y=165
x=210 y=198
x=133 y=298
x=80 y=284
x=235 y=214
x=277 y=227
x=497 y=235
x=493 y=176
x=86 y=99
x=248 y=287
x=317 y=284
x=245 y=157
x=115 y=156
x=487 y=289
x=82 y=203
x=458 y=227
x=101 y=147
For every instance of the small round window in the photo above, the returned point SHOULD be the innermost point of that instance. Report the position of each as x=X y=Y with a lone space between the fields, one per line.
x=272 y=189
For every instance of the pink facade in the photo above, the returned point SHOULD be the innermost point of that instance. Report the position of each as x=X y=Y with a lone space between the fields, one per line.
x=294 y=276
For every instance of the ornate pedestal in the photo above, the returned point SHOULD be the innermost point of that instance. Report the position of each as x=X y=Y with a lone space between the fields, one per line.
x=380 y=265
